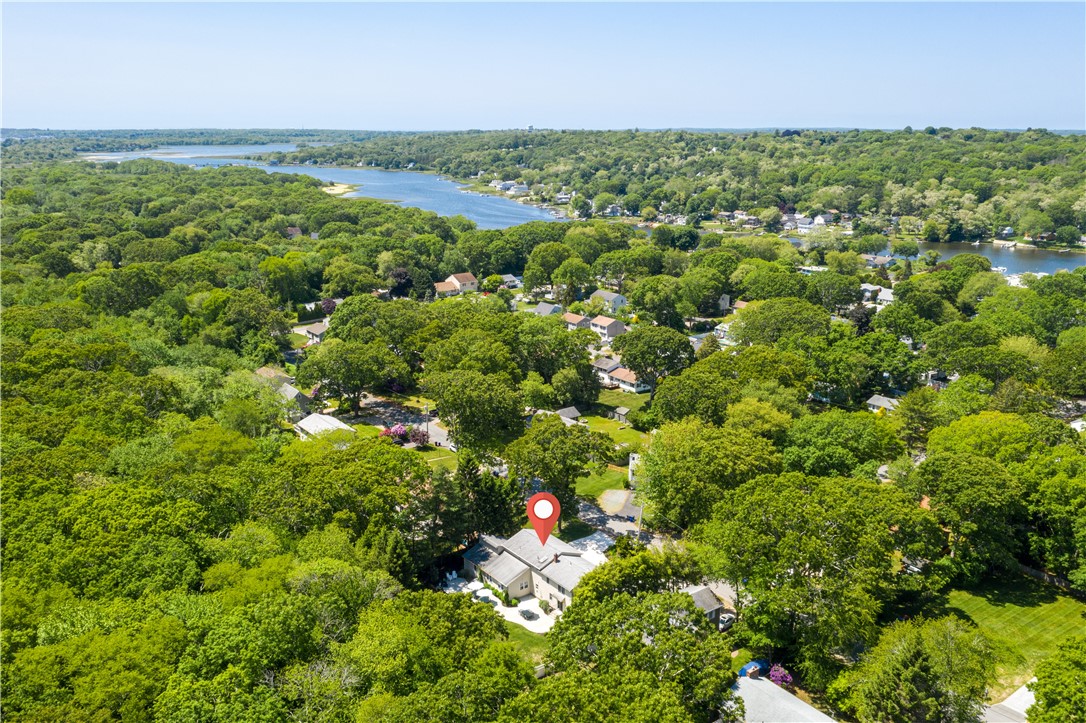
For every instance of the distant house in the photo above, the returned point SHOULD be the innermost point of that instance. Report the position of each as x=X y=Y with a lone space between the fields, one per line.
x=766 y=702
x=511 y=282
x=739 y=305
x=276 y=377
x=879 y=404
x=313 y=332
x=444 y=288
x=607 y=328
x=1079 y=425
x=724 y=303
x=464 y=282
x=613 y=302
x=874 y=261
x=823 y=219
x=1005 y=232
x=576 y=321
x=707 y=601
x=805 y=225
x=613 y=210
x=293 y=232
x=546 y=309
x=627 y=381
x=518 y=189
x=297 y=403
x=877 y=294
x=316 y=424
x=562 y=197
x=520 y=566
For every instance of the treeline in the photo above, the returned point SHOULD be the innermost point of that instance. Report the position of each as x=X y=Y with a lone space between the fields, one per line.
x=967 y=182
x=24 y=145
x=170 y=551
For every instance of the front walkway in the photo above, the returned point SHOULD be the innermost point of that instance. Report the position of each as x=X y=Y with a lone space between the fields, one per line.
x=541 y=624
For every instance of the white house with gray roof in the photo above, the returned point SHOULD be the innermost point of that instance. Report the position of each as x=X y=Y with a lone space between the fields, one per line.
x=521 y=567
x=613 y=302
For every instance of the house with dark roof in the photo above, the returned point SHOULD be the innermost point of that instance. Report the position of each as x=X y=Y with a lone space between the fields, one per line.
x=613 y=302
x=296 y=403
x=520 y=566
x=707 y=602
x=544 y=308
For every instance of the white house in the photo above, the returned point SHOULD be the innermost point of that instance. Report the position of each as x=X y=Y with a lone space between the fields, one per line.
x=604 y=366
x=316 y=424
x=607 y=328
x=511 y=282
x=877 y=294
x=445 y=288
x=627 y=381
x=611 y=301
x=520 y=566
x=463 y=282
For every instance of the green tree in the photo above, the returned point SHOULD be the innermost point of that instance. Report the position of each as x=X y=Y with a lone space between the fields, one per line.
x=661 y=299
x=1060 y=688
x=481 y=411
x=347 y=369
x=558 y=455
x=654 y=352
x=688 y=465
x=767 y=322
x=920 y=670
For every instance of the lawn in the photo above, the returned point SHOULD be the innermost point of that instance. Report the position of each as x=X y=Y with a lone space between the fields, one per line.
x=531 y=645
x=613 y=478
x=621 y=432
x=612 y=398
x=1025 y=620
x=573 y=530
x=366 y=430
x=439 y=458
x=409 y=400
x=297 y=341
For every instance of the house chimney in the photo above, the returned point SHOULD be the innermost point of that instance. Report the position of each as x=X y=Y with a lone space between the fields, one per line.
x=556 y=557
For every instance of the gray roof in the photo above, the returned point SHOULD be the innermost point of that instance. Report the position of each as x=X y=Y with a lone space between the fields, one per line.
x=290 y=393
x=606 y=295
x=319 y=423
x=545 y=309
x=486 y=548
x=505 y=568
x=606 y=363
x=880 y=401
x=704 y=598
x=622 y=410
x=766 y=702
x=568 y=412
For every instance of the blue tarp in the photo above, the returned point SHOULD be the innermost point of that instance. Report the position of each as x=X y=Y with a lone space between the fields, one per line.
x=762 y=666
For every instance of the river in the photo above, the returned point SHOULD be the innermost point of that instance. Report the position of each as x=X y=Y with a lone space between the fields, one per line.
x=436 y=193
x=420 y=190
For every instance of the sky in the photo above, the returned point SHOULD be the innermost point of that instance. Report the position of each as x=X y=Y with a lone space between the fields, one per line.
x=490 y=65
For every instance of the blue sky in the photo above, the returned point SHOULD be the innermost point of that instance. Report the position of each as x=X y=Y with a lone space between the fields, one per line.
x=455 y=66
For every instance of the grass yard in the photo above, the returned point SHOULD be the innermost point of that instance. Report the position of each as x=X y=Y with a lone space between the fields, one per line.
x=1025 y=620
x=621 y=432
x=439 y=458
x=594 y=485
x=297 y=341
x=573 y=530
x=366 y=430
x=409 y=400
x=612 y=398
x=531 y=645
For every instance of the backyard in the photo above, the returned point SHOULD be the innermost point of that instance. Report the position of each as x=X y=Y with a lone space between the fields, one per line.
x=1025 y=621
x=531 y=645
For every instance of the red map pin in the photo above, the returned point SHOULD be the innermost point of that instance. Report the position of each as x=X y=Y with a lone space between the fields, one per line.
x=543 y=511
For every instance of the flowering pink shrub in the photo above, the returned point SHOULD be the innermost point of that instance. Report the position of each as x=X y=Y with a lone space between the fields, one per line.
x=418 y=436
x=399 y=430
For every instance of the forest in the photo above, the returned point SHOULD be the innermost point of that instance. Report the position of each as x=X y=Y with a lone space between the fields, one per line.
x=172 y=551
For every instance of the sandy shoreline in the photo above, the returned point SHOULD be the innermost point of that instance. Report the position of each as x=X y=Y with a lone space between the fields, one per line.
x=338 y=189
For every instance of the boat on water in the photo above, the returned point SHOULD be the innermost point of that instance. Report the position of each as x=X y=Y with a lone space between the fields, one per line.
x=999 y=269
x=975 y=243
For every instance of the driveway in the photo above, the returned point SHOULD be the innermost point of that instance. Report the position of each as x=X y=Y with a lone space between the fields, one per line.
x=617 y=525
x=541 y=624
x=382 y=413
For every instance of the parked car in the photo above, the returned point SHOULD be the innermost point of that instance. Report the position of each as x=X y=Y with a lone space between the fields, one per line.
x=528 y=614
x=727 y=620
